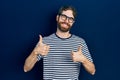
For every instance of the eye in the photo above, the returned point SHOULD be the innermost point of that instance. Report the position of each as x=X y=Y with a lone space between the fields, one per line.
x=63 y=16
x=71 y=19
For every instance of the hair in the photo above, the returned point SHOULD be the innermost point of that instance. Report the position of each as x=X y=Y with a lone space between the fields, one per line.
x=65 y=8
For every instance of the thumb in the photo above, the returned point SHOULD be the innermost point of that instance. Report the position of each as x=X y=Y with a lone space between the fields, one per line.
x=72 y=52
x=79 y=48
x=40 y=39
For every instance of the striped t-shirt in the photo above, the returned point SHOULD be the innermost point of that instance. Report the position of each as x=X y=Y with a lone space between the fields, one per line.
x=58 y=64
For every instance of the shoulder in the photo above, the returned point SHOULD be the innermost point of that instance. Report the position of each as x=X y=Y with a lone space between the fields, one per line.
x=49 y=38
x=78 y=38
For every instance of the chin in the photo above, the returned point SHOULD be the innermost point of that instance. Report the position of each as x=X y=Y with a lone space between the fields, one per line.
x=64 y=29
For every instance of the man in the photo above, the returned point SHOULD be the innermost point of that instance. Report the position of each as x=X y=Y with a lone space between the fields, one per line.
x=62 y=52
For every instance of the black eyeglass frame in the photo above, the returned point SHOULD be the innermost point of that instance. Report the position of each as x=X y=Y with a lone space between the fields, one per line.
x=70 y=19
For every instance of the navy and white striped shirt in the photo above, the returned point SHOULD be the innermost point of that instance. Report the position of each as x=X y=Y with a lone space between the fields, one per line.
x=58 y=64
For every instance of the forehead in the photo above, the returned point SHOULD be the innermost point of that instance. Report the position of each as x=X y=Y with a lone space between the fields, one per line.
x=68 y=13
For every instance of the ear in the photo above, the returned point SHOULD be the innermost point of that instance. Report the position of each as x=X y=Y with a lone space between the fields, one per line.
x=57 y=17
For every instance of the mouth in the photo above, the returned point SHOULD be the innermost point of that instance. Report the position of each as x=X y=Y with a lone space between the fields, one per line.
x=64 y=27
x=65 y=24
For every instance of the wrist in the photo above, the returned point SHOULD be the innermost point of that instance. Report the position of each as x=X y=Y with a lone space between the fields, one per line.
x=39 y=57
x=83 y=61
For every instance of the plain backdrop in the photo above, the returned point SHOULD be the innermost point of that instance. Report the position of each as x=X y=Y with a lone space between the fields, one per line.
x=21 y=22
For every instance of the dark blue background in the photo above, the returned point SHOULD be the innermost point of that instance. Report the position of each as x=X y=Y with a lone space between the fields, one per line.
x=21 y=21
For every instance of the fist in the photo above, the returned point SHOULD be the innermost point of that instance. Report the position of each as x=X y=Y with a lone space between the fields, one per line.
x=42 y=48
x=77 y=56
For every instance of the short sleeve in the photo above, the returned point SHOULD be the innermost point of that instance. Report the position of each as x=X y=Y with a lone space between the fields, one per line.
x=39 y=57
x=85 y=51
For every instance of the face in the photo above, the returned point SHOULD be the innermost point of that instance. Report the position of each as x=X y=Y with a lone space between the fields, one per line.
x=65 y=20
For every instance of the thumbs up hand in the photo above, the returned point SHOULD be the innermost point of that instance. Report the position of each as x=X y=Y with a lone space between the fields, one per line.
x=42 y=48
x=78 y=56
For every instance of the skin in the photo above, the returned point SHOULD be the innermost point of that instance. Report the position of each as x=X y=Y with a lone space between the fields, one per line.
x=41 y=49
x=63 y=27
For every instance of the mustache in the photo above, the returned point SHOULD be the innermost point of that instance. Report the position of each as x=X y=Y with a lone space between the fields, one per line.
x=65 y=23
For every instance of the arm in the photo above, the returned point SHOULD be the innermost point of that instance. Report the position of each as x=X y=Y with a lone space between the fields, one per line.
x=30 y=61
x=41 y=49
x=87 y=59
x=88 y=65
x=79 y=57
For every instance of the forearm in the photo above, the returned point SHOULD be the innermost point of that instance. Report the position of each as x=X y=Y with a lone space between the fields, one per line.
x=30 y=61
x=89 y=66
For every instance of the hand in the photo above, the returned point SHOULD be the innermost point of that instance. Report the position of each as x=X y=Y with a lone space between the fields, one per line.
x=78 y=56
x=42 y=48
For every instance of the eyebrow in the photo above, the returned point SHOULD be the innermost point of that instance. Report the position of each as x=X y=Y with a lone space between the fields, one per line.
x=67 y=16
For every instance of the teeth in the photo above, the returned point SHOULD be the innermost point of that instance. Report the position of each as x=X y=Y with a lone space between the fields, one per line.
x=64 y=24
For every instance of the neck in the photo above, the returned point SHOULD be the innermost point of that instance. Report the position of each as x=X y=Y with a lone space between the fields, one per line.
x=63 y=34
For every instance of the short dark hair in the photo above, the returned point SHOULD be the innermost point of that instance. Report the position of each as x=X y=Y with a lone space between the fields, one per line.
x=64 y=8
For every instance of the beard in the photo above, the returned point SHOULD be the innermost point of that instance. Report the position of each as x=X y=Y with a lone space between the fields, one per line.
x=63 y=29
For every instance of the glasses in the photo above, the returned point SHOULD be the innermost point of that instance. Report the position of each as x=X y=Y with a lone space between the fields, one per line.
x=64 y=17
